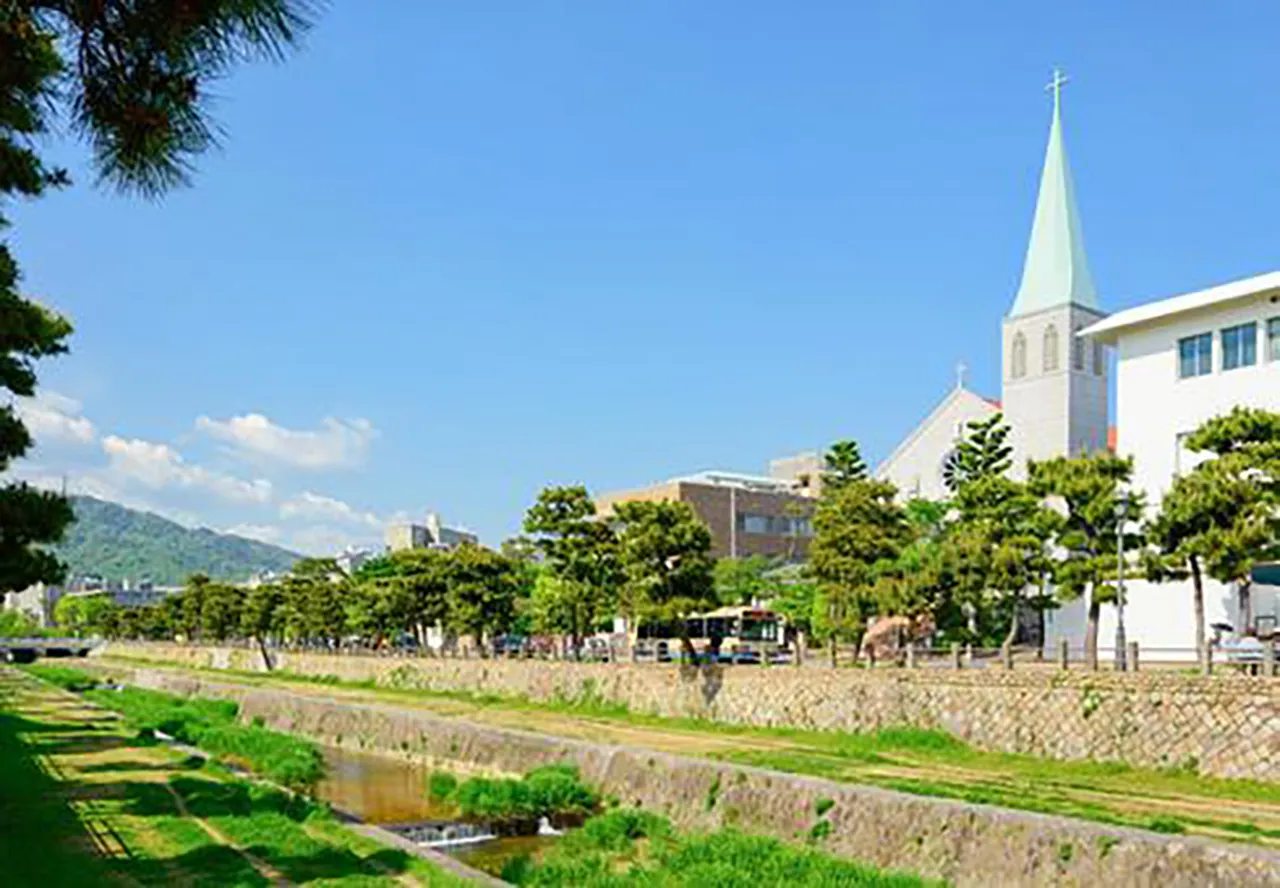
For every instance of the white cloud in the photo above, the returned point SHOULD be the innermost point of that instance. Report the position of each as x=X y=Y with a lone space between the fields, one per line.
x=53 y=416
x=159 y=466
x=315 y=506
x=338 y=443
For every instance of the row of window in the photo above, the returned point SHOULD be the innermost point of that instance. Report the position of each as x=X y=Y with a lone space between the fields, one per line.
x=1239 y=345
x=776 y=525
x=1049 y=354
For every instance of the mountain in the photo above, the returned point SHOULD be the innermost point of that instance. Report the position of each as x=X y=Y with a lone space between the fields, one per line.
x=115 y=542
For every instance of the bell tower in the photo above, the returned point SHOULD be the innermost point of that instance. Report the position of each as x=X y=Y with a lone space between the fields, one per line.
x=1054 y=384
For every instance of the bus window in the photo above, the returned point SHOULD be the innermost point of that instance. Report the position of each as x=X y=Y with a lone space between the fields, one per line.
x=759 y=630
x=717 y=627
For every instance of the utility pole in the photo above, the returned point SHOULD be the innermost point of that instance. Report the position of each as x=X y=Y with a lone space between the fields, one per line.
x=1122 y=514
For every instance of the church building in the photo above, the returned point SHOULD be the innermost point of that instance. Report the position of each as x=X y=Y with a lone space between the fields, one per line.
x=1179 y=362
x=1054 y=383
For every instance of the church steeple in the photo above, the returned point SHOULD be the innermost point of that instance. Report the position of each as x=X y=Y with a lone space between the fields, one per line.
x=1056 y=272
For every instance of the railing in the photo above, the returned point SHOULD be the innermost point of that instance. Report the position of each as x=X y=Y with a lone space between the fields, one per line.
x=1261 y=660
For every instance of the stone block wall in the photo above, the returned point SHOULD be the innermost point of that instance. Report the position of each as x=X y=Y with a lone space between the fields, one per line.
x=1227 y=726
x=968 y=845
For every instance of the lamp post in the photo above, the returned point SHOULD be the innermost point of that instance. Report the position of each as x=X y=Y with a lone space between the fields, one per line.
x=1122 y=515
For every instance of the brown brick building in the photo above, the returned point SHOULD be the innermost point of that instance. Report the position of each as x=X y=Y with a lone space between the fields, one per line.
x=747 y=514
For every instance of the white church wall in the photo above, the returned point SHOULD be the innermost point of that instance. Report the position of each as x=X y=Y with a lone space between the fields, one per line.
x=915 y=467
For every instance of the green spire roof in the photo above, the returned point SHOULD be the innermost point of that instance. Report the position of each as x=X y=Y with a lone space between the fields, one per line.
x=1056 y=272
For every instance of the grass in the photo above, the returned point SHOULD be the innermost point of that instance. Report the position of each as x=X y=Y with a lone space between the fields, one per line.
x=72 y=781
x=552 y=791
x=908 y=759
x=634 y=848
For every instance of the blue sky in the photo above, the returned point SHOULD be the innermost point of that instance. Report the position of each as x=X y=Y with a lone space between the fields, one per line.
x=454 y=252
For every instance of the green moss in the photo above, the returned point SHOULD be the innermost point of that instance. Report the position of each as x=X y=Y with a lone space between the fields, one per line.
x=713 y=793
x=822 y=806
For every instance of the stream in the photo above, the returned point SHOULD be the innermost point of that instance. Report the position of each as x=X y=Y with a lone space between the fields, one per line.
x=392 y=794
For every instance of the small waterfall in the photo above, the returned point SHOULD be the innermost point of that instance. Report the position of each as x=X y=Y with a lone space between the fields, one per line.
x=444 y=834
x=546 y=829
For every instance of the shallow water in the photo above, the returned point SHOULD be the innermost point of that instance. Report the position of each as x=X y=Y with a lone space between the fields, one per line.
x=490 y=857
x=384 y=790
x=378 y=789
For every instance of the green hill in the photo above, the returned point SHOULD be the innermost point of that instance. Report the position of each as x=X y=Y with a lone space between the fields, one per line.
x=116 y=542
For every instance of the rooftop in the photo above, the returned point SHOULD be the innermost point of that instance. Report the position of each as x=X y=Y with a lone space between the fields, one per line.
x=1109 y=329
x=738 y=480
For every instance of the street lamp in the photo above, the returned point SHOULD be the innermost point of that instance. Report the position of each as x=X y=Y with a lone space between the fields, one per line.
x=1122 y=515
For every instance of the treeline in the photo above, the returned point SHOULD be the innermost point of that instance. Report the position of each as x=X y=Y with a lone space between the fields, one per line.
x=567 y=578
x=1059 y=531
x=960 y=570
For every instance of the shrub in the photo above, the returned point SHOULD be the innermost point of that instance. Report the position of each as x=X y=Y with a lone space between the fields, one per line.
x=441 y=785
x=552 y=791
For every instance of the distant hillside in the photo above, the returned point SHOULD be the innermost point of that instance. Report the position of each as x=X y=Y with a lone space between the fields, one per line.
x=116 y=542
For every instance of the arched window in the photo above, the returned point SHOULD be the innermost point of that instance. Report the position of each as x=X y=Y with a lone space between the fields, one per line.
x=1018 y=360
x=1077 y=350
x=1050 y=348
x=1099 y=359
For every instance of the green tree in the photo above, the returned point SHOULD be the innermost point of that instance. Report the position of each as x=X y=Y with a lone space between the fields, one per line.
x=482 y=586
x=742 y=580
x=844 y=465
x=1002 y=533
x=131 y=79
x=18 y=624
x=220 y=611
x=983 y=452
x=666 y=559
x=417 y=598
x=191 y=606
x=581 y=552
x=859 y=531
x=1088 y=489
x=262 y=617
x=81 y=615
x=313 y=601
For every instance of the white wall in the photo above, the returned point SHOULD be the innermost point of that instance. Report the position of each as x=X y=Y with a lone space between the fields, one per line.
x=915 y=467
x=1153 y=407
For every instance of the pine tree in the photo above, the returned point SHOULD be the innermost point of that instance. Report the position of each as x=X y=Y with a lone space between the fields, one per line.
x=132 y=77
x=1086 y=536
x=983 y=452
x=859 y=532
x=843 y=465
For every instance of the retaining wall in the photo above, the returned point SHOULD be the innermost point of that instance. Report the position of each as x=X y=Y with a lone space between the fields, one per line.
x=968 y=845
x=1227 y=726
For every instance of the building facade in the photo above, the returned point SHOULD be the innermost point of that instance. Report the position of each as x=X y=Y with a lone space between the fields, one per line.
x=747 y=514
x=1181 y=361
x=432 y=534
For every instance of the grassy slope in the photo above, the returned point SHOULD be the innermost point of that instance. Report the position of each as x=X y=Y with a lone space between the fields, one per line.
x=910 y=760
x=128 y=791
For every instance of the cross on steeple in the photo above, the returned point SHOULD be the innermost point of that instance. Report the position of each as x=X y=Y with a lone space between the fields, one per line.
x=1055 y=85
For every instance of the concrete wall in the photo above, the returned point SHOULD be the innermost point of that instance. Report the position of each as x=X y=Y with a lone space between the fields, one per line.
x=1227 y=725
x=969 y=845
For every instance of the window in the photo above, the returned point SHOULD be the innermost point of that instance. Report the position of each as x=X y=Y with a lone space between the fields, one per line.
x=1099 y=359
x=776 y=525
x=1240 y=346
x=1195 y=355
x=1273 y=339
x=1077 y=350
x=1050 y=348
x=1018 y=360
x=753 y=523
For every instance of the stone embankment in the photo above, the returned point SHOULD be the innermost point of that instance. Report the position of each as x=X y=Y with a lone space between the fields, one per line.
x=968 y=845
x=1226 y=726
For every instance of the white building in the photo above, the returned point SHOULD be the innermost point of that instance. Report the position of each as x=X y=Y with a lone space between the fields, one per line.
x=434 y=534
x=1182 y=361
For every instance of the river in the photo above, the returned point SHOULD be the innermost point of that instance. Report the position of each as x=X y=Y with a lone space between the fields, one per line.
x=388 y=792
